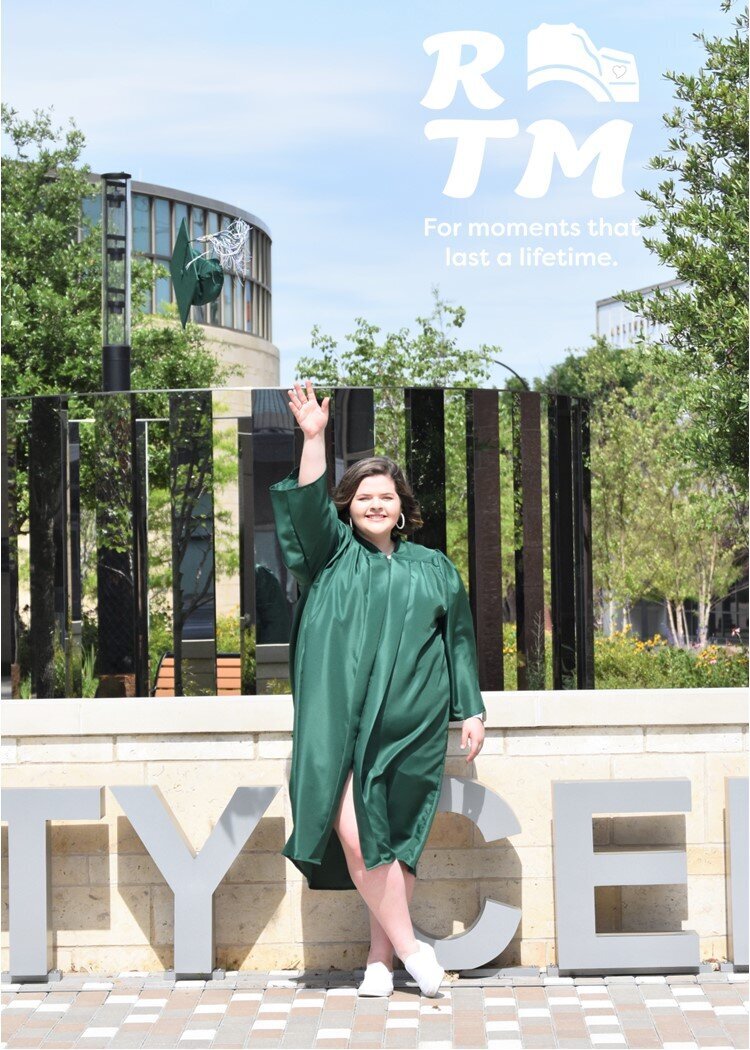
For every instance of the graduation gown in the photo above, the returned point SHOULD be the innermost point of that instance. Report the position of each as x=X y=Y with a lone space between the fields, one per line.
x=382 y=656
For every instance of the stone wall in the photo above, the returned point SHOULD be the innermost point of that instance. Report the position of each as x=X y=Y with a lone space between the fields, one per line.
x=112 y=910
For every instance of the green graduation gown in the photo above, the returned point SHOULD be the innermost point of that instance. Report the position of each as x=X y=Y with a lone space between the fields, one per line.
x=382 y=656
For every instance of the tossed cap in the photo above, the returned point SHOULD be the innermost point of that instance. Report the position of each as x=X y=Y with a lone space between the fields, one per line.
x=195 y=282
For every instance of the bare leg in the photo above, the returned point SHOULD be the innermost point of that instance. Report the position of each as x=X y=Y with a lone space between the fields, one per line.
x=383 y=888
x=381 y=949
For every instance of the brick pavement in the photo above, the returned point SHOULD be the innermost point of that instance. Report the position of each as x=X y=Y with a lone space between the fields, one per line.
x=315 y=1009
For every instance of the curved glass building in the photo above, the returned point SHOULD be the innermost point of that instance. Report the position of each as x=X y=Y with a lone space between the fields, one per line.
x=238 y=324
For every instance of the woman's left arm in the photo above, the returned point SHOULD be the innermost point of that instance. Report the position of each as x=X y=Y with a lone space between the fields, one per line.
x=466 y=702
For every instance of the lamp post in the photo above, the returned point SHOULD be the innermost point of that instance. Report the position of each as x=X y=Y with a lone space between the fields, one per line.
x=116 y=237
x=116 y=506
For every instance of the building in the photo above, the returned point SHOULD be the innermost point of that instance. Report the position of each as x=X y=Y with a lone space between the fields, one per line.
x=238 y=325
x=621 y=326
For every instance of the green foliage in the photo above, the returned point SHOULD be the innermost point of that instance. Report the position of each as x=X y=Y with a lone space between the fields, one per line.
x=662 y=528
x=51 y=276
x=623 y=662
x=598 y=373
x=702 y=217
x=166 y=357
x=89 y=680
x=228 y=633
x=51 y=280
x=431 y=356
x=159 y=639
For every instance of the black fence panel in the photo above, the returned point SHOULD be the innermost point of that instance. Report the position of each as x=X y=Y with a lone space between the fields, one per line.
x=163 y=561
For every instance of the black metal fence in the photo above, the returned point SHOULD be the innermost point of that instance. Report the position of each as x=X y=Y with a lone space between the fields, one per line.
x=139 y=555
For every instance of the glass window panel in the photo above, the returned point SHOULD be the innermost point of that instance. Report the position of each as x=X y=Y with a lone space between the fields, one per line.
x=199 y=314
x=213 y=222
x=248 y=306
x=162 y=238
x=180 y=212
x=199 y=222
x=214 y=316
x=227 y=296
x=253 y=241
x=248 y=253
x=237 y=292
x=163 y=292
x=92 y=211
x=225 y=220
x=141 y=223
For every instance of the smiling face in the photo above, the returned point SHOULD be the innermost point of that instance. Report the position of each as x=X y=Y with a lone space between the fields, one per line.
x=375 y=507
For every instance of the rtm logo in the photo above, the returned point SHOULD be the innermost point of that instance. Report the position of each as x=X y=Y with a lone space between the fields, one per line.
x=554 y=53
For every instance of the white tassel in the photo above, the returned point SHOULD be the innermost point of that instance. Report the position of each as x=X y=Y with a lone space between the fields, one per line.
x=230 y=247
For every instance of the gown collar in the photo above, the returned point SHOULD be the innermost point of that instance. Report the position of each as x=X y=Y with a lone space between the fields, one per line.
x=376 y=550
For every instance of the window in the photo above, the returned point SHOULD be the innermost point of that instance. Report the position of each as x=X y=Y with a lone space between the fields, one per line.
x=248 y=306
x=237 y=322
x=199 y=223
x=91 y=208
x=141 y=223
x=227 y=296
x=180 y=212
x=162 y=233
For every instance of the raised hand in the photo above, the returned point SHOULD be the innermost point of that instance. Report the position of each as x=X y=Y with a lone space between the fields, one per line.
x=311 y=416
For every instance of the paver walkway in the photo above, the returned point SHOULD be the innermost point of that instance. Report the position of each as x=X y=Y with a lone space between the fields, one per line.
x=312 y=1009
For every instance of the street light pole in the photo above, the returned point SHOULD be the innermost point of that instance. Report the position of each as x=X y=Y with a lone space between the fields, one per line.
x=115 y=506
x=116 y=237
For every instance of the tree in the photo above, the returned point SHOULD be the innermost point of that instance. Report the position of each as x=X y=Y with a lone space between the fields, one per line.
x=51 y=275
x=662 y=530
x=432 y=357
x=703 y=222
x=429 y=357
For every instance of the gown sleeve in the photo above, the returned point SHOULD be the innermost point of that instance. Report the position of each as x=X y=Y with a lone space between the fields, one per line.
x=307 y=525
x=460 y=649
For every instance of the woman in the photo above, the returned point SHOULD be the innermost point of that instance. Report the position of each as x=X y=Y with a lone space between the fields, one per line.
x=382 y=656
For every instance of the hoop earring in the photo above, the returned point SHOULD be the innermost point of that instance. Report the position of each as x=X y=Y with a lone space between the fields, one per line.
x=400 y=527
x=349 y=523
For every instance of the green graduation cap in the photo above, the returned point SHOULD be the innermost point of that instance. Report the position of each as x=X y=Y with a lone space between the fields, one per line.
x=195 y=282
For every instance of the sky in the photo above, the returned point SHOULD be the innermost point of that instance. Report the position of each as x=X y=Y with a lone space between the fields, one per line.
x=310 y=117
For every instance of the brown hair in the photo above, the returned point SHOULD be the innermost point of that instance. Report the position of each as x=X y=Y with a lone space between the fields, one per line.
x=366 y=468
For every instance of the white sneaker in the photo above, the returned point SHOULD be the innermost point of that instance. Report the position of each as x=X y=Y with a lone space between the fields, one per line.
x=425 y=969
x=378 y=980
